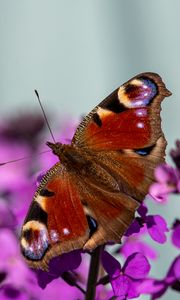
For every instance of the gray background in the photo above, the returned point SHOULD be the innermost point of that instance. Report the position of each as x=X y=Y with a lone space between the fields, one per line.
x=76 y=52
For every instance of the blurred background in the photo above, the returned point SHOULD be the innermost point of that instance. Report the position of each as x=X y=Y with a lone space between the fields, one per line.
x=76 y=52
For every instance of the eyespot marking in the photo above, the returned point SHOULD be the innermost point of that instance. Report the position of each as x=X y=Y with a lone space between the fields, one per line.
x=145 y=151
x=140 y=125
x=66 y=231
x=137 y=92
x=92 y=224
x=46 y=193
x=36 y=213
x=112 y=103
x=97 y=119
x=54 y=236
x=34 y=240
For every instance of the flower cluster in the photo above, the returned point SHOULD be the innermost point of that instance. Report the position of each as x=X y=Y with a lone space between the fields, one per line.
x=126 y=270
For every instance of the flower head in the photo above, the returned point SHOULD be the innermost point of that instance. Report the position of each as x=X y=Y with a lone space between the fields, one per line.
x=155 y=225
x=167 y=182
x=124 y=280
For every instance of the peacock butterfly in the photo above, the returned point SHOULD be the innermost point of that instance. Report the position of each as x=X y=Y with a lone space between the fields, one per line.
x=90 y=197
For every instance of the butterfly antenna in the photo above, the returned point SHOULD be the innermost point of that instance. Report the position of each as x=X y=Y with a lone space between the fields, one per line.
x=23 y=158
x=44 y=114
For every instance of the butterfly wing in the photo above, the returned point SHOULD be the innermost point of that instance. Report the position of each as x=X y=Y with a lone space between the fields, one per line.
x=56 y=222
x=127 y=119
x=124 y=137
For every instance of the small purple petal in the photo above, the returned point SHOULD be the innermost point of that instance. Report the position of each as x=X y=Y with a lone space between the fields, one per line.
x=160 y=191
x=174 y=271
x=175 y=237
x=177 y=268
x=110 y=264
x=135 y=227
x=136 y=266
x=150 y=286
x=102 y=293
x=160 y=293
x=120 y=286
x=157 y=227
x=142 y=210
x=134 y=245
x=165 y=173
x=133 y=290
x=59 y=265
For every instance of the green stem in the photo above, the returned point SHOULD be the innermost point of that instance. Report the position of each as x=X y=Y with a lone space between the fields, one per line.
x=93 y=274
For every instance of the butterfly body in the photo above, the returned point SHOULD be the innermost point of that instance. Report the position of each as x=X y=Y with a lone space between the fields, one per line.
x=89 y=198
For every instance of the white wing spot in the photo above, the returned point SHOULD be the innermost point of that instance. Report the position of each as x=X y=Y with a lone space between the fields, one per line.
x=66 y=231
x=54 y=236
x=140 y=125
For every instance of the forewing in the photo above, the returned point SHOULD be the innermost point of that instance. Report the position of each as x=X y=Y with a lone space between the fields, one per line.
x=127 y=119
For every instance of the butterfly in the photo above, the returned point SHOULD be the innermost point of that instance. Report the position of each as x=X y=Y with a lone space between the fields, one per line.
x=90 y=196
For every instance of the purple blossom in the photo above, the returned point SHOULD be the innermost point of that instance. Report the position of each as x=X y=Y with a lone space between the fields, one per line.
x=157 y=287
x=167 y=182
x=155 y=225
x=59 y=265
x=125 y=280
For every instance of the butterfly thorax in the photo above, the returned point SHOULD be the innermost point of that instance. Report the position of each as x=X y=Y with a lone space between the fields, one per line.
x=69 y=155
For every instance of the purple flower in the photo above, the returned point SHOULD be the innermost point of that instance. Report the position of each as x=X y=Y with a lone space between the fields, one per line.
x=175 y=237
x=167 y=182
x=124 y=280
x=157 y=287
x=155 y=225
x=59 y=265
